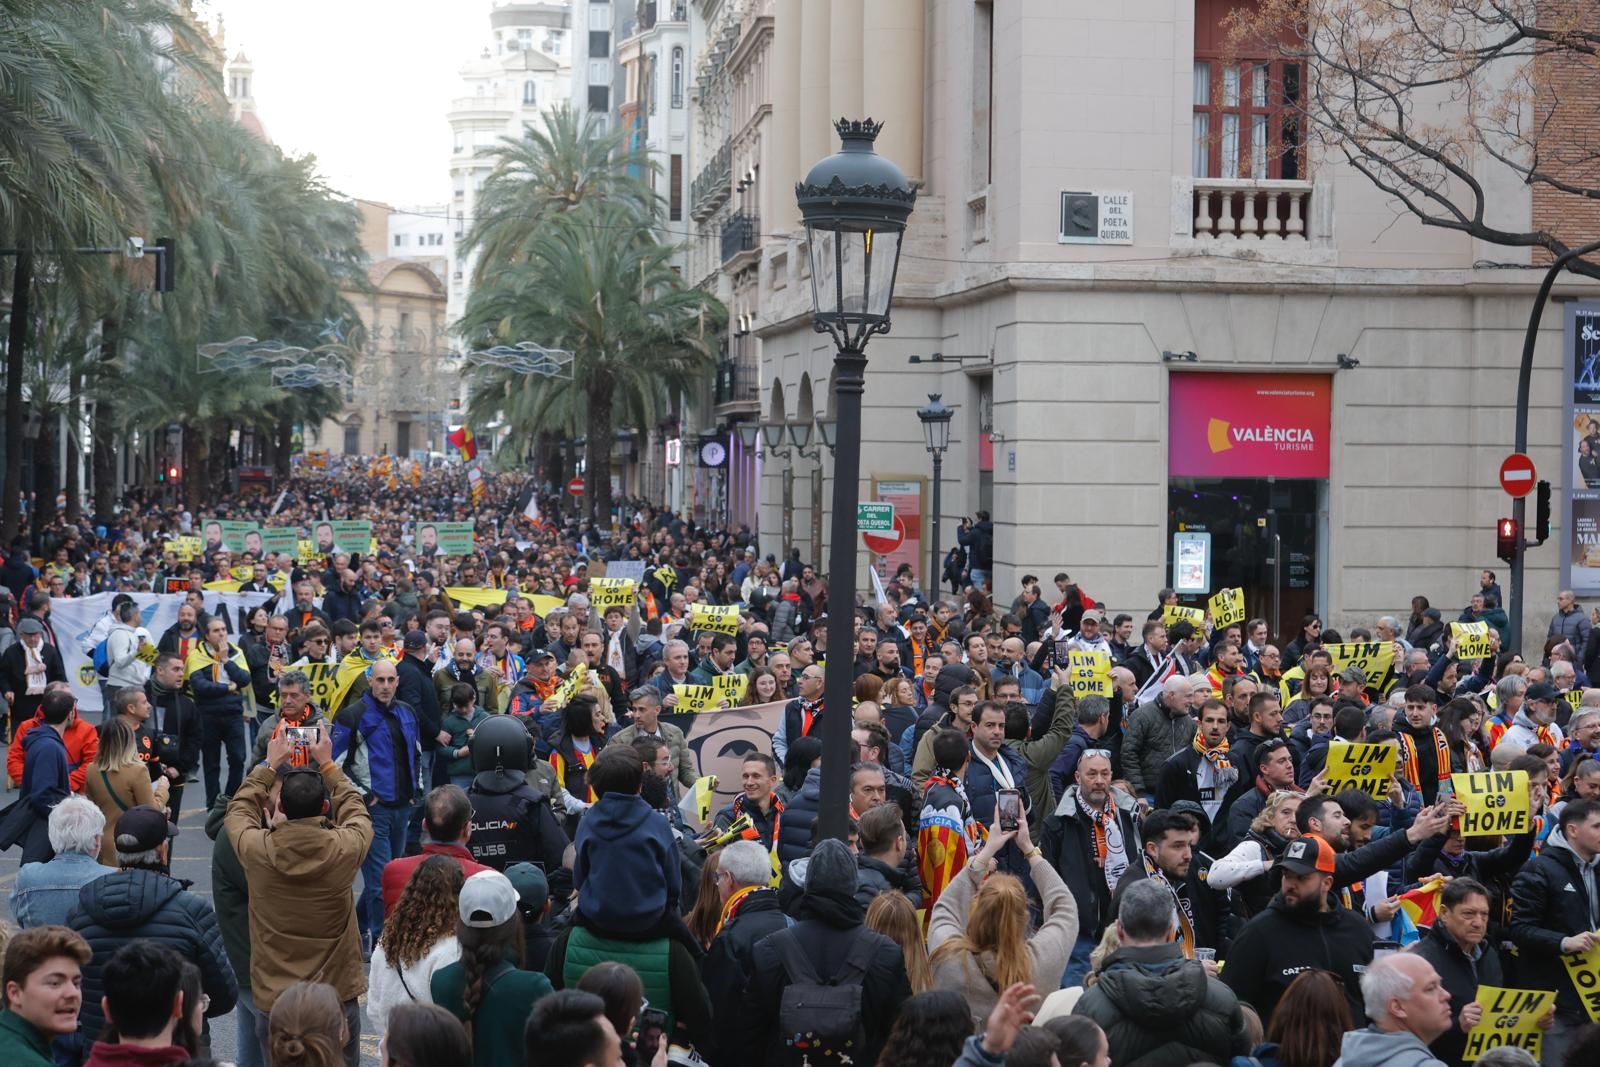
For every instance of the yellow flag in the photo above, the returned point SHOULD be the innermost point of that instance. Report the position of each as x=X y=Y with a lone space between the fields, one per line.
x=544 y=605
x=467 y=597
x=223 y=586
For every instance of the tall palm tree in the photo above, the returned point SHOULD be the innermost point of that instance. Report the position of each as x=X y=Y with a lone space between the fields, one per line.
x=566 y=162
x=593 y=280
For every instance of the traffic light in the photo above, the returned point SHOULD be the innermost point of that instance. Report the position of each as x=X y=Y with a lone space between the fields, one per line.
x=172 y=473
x=166 y=264
x=1507 y=534
x=161 y=475
x=1541 y=512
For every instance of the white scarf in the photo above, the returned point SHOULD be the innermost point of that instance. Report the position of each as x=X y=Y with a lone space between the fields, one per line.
x=34 y=666
x=614 y=658
x=997 y=767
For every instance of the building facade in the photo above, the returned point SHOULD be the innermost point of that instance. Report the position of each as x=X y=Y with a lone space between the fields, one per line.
x=1176 y=359
x=402 y=390
x=525 y=70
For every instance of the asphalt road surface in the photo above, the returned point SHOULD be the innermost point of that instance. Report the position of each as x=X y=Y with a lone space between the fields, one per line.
x=192 y=862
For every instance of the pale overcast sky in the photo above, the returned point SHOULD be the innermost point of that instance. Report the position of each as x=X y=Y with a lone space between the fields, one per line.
x=362 y=84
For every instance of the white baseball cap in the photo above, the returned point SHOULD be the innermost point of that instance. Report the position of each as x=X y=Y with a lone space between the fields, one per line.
x=488 y=899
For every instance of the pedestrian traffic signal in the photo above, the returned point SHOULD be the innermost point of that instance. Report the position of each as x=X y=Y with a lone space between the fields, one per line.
x=1507 y=534
x=172 y=472
x=1541 y=513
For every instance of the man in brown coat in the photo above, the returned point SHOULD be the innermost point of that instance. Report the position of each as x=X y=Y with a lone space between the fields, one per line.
x=300 y=869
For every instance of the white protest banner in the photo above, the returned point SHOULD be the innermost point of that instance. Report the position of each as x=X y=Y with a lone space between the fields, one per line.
x=74 y=620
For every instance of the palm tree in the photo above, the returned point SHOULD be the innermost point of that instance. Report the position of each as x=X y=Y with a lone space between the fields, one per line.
x=593 y=280
x=553 y=169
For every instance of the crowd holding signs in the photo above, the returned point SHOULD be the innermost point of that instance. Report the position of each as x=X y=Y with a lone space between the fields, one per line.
x=1237 y=819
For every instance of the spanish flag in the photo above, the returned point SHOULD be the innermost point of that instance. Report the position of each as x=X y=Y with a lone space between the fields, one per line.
x=462 y=439
x=1421 y=905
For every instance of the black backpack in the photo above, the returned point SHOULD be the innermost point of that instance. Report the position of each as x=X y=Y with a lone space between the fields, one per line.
x=821 y=1022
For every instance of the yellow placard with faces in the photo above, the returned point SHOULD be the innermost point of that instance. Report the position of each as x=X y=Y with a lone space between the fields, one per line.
x=1357 y=765
x=1497 y=802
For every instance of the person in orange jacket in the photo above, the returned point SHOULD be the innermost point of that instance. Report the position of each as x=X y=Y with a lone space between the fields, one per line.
x=83 y=741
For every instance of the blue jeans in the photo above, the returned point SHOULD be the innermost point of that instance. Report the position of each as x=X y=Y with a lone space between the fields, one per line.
x=1078 y=962
x=388 y=842
x=219 y=734
x=249 y=1047
x=414 y=826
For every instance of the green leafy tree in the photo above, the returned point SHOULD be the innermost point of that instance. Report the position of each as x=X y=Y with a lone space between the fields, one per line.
x=592 y=280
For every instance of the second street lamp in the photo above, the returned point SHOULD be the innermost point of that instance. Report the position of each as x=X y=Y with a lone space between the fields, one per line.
x=935 y=419
x=855 y=205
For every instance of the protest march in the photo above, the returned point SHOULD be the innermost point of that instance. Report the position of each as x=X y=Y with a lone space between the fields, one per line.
x=445 y=752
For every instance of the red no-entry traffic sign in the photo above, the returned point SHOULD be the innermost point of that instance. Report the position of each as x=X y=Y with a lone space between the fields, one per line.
x=1517 y=475
x=883 y=544
x=575 y=487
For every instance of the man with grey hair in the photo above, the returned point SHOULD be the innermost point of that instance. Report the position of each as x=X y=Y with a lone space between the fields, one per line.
x=675 y=658
x=1154 y=732
x=295 y=708
x=46 y=893
x=1388 y=629
x=1583 y=735
x=750 y=912
x=1409 y=1008
x=141 y=900
x=1154 y=1004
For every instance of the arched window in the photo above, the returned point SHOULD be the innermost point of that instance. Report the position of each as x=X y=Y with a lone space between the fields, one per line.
x=677 y=77
x=529 y=94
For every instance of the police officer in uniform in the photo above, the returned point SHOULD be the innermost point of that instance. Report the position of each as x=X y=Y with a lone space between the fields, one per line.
x=512 y=818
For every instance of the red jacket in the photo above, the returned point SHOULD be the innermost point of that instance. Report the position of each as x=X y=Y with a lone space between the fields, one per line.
x=109 y=1055
x=83 y=741
x=396 y=873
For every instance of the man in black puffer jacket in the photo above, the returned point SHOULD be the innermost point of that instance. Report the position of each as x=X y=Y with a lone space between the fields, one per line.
x=750 y=913
x=1157 y=1008
x=142 y=900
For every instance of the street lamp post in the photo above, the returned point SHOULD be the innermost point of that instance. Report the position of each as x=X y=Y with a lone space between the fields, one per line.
x=854 y=204
x=935 y=419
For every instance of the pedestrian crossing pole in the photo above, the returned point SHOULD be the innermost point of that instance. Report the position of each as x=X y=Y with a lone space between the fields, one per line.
x=1519 y=505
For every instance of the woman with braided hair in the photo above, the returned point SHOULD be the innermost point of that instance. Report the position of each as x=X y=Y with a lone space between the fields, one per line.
x=307 y=1028
x=487 y=989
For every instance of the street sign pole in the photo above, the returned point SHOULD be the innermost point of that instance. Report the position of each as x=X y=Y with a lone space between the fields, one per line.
x=1519 y=506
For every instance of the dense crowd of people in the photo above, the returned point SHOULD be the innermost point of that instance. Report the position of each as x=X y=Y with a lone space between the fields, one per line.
x=453 y=804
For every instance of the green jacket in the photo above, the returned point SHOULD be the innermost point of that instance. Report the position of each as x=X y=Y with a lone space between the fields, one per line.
x=688 y=1004
x=230 y=893
x=21 y=1045
x=497 y=1029
x=456 y=725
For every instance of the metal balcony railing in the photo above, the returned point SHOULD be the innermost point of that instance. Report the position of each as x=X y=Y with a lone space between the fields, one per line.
x=741 y=233
x=713 y=185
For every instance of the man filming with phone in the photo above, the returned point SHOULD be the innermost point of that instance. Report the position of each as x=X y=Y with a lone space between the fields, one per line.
x=297 y=719
x=995 y=773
